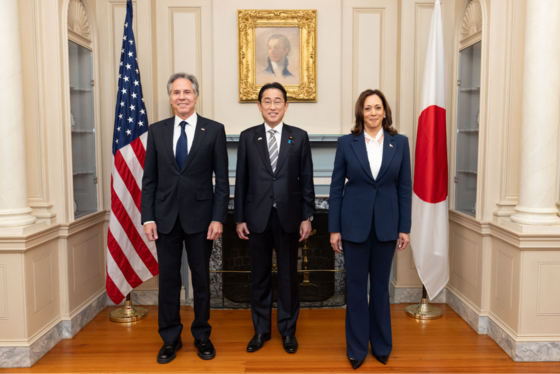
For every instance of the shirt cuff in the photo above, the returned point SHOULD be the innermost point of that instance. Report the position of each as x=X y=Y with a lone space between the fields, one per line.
x=149 y=222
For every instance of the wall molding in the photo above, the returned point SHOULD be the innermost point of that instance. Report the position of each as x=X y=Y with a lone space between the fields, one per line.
x=471 y=29
x=78 y=25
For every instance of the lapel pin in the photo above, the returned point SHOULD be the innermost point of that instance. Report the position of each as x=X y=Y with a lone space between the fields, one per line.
x=390 y=145
x=291 y=140
x=203 y=129
x=259 y=139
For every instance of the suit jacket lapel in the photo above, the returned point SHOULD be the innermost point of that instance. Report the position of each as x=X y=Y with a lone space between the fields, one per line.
x=262 y=147
x=285 y=147
x=168 y=137
x=199 y=134
x=359 y=147
x=389 y=149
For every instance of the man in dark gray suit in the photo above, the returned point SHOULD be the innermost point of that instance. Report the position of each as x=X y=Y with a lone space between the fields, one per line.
x=180 y=206
x=274 y=207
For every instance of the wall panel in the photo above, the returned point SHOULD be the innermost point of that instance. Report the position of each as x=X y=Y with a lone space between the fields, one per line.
x=540 y=303
x=87 y=261
x=13 y=324
x=506 y=280
x=3 y=292
x=465 y=256
x=86 y=265
x=369 y=50
x=465 y=260
x=42 y=282
x=368 y=44
x=42 y=286
x=182 y=27
x=548 y=297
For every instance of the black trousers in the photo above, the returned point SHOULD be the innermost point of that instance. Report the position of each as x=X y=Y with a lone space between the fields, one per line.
x=286 y=246
x=169 y=250
x=368 y=323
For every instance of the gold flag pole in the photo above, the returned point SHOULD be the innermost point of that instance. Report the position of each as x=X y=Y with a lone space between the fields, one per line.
x=128 y=313
x=424 y=310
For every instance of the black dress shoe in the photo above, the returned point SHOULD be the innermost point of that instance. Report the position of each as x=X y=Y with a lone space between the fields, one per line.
x=206 y=349
x=257 y=342
x=382 y=359
x=355 y=363
x=168 y=352
x=290 y=343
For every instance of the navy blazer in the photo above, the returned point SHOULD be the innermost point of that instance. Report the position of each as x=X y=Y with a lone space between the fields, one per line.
x=352 y=204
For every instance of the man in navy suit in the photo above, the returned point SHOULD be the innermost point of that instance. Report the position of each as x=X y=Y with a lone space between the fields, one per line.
x=274 y=207
x=180 y=206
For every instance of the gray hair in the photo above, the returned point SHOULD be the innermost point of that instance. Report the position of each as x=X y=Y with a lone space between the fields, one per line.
x=180 y=75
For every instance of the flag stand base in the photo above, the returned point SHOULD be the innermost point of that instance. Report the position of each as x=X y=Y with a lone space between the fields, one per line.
x=424 y=310
x=128 y=313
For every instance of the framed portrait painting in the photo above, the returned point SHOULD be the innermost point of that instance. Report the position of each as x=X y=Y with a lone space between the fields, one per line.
x=278 y=46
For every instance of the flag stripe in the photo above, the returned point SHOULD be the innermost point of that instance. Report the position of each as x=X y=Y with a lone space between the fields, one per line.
x=136 y=168
x=122 y=261
x=122 y=215
x=140 y=153
x=127 y=201
x=117 y=276
x=112 y=290
x=128 y=179
x=127 y=250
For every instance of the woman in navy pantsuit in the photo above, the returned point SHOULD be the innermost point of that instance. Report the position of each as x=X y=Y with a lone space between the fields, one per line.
x=368 y=216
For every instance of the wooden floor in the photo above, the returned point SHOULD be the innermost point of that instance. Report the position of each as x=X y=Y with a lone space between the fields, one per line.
x=447 y=345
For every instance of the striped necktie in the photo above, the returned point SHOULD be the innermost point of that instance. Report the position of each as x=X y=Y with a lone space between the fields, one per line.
x=273 y=150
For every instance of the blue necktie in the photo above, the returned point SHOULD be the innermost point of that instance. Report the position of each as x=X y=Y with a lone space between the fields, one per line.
x=182 y=149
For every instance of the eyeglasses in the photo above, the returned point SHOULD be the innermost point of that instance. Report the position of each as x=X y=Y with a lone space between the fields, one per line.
x=268 y=104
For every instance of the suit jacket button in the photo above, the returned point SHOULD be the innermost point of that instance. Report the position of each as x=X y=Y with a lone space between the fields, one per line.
x=375 y=187
x=273 y=179
x=272 y=197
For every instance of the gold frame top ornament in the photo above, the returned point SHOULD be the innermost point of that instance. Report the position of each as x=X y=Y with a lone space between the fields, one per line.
x=306 y=21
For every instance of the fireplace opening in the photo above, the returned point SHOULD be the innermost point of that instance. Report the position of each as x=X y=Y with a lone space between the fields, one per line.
x=320 y=274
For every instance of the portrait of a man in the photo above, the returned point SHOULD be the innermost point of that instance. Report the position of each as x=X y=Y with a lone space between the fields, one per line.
x=277 y=53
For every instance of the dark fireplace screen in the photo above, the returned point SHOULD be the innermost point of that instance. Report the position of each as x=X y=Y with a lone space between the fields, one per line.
x=322 y=280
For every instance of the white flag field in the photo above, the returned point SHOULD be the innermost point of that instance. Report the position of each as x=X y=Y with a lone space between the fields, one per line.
x=429 y=236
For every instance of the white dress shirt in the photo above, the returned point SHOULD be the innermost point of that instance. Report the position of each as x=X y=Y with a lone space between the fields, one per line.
x=189 y=130
x=374 y=151
x=278 y=134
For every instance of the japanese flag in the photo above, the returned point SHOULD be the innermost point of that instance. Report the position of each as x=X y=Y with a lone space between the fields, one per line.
x=429 y=237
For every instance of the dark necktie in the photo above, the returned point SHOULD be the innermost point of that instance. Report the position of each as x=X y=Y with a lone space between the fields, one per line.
x=182 y=149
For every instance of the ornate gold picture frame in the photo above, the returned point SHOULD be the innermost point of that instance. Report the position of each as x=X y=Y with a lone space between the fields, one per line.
x=278 y=46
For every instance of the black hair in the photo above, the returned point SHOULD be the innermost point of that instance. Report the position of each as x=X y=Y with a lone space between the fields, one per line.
x=273 y=85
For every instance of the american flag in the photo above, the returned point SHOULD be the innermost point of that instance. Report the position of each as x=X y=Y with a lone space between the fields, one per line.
x=131 y=258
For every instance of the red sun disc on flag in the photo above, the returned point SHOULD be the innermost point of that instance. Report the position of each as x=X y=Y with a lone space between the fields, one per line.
x=430 y=165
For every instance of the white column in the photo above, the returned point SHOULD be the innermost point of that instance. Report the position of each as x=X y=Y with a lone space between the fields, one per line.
x=14 y=209
x=539 y=132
